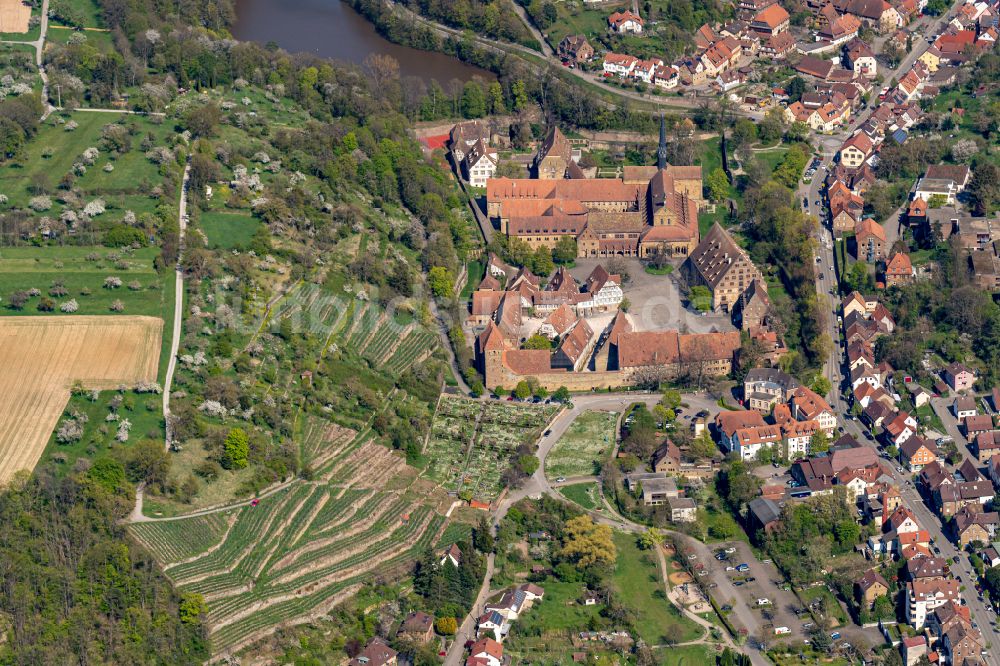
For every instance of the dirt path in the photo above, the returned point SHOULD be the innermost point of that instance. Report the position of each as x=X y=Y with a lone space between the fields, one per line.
x=175 y=337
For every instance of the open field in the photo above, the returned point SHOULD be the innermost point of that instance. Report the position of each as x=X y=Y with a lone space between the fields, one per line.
x=42 y=357
x=583 y=446
x=14 y=16
x=637 y=578
x=472 y=442
x=228 y=230
x=307 y=545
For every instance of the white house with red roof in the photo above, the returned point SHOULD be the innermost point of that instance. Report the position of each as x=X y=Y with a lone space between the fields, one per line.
x=625 y=22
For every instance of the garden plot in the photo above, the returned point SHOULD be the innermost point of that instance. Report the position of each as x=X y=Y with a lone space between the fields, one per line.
x=303 y=548
x=584 y=445
x=472 y=442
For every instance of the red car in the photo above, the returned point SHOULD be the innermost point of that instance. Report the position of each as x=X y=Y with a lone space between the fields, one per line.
x=254 y=502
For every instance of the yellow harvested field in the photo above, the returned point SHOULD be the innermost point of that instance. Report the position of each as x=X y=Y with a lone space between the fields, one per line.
x=42 y=357
x=14 y=16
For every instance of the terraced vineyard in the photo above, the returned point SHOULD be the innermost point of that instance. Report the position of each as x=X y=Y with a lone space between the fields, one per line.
x=360 y=326
x=472 y=441
x=306 y=545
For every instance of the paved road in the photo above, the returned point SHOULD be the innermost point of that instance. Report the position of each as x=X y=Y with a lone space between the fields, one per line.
x=175 y=337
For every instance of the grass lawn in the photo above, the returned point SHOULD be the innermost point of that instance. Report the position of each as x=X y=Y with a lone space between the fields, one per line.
x=583 y=446
x=143 y=411
x=686 y=655
x=666 y=270
x=24 y=268
x=584 y=494
x=228 y=230
x=475 y=270
x=637 y=578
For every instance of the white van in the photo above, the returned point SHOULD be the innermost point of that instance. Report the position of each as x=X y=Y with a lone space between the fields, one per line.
x=764 y=602
x=779 y=631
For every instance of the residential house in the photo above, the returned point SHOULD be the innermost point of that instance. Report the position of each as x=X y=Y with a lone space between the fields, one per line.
x=764 y=387
x=667 y=458
x=900 y=428
x=480 y=164
x=861 y=58
x=625 y=22
x=576 y=48
x=986 y=446
x=918 y=394
x=807 y=405
x=899 y=270
x=964 y=406
x=973 y=525
x=837 y=28
x=492 y=623
x=771 y=20
x=489 y=651
x=869 y=241
x=962 y=644
x=913 y=648
x=870 y=587
x=917 y=452
x=619 y=64
x=976 y=425
x=682 y=509
x=375 y=653
x=417 y=626
x=777 y=47
x=959 y=377
x=856 y=150
x=922 y=597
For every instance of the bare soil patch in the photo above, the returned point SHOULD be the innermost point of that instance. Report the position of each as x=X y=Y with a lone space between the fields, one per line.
x=42 y=357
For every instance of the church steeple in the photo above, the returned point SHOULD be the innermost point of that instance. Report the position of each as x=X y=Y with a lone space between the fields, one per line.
x=661 y=152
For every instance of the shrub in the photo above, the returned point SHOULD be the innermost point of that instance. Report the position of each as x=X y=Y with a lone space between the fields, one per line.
x=17 y=300
x=117 y=306
x=40 y=203
x=46 y=304
x=121 y=235
x=70 y=306
x=112 y=282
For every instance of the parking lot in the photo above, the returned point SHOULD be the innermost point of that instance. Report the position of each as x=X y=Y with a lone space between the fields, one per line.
x=760 y=581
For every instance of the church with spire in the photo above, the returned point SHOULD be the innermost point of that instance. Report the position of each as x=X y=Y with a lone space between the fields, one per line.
x=647 y=210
